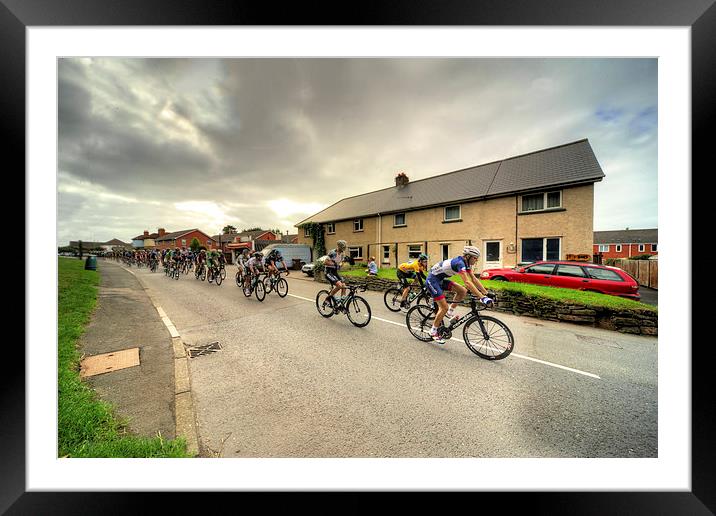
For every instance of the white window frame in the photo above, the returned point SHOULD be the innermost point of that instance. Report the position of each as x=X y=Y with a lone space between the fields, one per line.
x=360 y=252
x=544 y=202
x=395 y=222
x=386 y=250
x=618 y=248
x=605 y=248
x=330 y=228
x=642 y=248
x=183 y=242
x=359 y=222
x=459 y=213
x=411 y=250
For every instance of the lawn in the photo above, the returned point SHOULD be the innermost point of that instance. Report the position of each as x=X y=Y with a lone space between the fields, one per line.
x=566 y=295
x=87 y=426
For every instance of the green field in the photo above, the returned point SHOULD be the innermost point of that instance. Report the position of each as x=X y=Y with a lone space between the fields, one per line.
x=87 y=426
x=566 y=295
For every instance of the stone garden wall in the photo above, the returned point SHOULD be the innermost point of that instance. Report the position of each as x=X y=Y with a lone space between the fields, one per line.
x=639 y=322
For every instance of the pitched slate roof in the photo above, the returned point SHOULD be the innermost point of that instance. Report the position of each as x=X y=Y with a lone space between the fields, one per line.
x=569 y=164
x=115 y=241
x=627 y=236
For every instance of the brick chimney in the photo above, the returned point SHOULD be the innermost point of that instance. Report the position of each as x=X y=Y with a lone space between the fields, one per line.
x=161 y=232
x=146 y=233
x=401 y=180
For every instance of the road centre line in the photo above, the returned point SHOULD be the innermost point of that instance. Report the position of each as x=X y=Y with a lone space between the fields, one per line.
x=591 y=375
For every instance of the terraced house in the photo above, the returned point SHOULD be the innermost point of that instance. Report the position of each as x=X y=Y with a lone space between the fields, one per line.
x=520 y=209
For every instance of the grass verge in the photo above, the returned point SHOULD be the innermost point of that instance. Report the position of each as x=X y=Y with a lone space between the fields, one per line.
x=565 y=295
x=87 y=426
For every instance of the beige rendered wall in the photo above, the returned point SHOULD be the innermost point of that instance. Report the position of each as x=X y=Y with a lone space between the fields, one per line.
x=491 y=220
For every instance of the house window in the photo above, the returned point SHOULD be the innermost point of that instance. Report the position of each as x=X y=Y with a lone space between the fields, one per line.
x=306 y=233
x=414 y=251
x=641 y=248
x=386 y=254
x=330 y=228
x=452 y=213
x=399 y=220
x=208 y=242
x=536 y=249
x=653 y=248
x=605 y=249
x=537 y=202
x=619 y=248
x=445 y=251
x=358 y=225
x=356 y=253
x=183 y=242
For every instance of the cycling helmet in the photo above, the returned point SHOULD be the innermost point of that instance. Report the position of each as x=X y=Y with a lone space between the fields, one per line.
x=258 y=255
x=423 y=257
x=341 y=244
x=471 y=250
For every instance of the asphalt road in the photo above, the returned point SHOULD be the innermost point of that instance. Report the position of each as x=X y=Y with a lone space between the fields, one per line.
x=289 y=383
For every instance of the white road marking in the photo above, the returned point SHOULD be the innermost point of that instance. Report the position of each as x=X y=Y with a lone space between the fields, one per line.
x=517 y=355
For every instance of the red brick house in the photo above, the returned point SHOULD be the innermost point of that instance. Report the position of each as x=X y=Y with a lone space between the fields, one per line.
x=183 y=239
x=626 y=243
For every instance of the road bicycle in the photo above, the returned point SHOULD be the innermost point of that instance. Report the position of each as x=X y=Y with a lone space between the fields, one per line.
x=153 y=266
x=277 y=283
x=200 y=272
x=174 y=271
x=222 y=270
x=355 y=307
x=418 y=293
x=255 y=286
x=214 y=274
x=486 y=336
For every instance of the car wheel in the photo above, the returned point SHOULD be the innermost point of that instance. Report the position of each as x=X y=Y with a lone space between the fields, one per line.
x=499 y=278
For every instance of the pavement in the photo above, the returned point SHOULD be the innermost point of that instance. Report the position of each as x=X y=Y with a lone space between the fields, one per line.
x=155 y=396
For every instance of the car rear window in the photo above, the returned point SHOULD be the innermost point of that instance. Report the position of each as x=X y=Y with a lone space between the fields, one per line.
x=603 y=274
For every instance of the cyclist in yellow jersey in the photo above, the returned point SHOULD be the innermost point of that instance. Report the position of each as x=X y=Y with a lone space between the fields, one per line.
x=411 y=270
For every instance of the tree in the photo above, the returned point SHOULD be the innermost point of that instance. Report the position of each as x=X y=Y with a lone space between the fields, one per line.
x=277 y=231
x=195 y=244
x=228 y=229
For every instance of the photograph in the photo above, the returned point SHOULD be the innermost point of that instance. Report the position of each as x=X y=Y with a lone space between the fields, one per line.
x=359 y=268
x=439 y=258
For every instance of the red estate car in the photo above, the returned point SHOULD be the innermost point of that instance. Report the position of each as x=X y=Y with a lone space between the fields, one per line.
x=577 y=275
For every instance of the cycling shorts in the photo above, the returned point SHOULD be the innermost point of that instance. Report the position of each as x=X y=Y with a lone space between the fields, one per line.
x=437 y=286
x=332 y=276
x=403 y=277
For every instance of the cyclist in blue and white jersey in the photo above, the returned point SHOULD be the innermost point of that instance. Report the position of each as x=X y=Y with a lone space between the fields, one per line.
x=437 y=282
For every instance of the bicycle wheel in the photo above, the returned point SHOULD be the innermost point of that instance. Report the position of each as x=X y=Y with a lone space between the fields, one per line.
x=176 y=273
x=218 y=278
x=495 y=343
x=282 y=287
x=358 y=311
x=419 y=320
x=239 y=278
x=260 y=291
x=324 y=303
x=223 y=273
x=267 y=284
x=392 y=299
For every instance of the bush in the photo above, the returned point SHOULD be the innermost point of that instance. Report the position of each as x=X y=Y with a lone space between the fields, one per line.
x=641 y=257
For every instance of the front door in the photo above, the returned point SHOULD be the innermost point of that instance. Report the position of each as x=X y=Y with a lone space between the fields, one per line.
x=493 y=255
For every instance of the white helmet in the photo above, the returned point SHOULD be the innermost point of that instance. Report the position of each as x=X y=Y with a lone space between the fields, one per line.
x=471 y=250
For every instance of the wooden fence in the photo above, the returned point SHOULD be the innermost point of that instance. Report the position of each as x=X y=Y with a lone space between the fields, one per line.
x=646 y=272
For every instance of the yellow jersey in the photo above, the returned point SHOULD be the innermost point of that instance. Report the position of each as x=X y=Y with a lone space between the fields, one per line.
x=411 y=267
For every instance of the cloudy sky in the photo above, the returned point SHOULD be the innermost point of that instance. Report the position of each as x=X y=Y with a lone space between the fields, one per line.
x=184 y=143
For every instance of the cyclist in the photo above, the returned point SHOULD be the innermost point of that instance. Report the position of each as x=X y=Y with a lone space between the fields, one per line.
x=253 y=265
x=200 y=260
x=332 y=265
x=411 y=270
x=270 y=262
x=211 y=260
x=438 y=281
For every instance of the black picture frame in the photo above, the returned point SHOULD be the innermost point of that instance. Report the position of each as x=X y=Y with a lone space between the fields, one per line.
x=700 y=15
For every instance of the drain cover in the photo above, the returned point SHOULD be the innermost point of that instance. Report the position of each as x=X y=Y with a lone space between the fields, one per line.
x=203 y=349
x=109 y=362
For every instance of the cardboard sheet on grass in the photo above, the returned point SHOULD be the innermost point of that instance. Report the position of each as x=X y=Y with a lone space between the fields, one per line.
x=108 y=362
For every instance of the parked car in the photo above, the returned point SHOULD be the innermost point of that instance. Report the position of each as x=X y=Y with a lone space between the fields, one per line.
x=308 y=268
x=577 y=275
